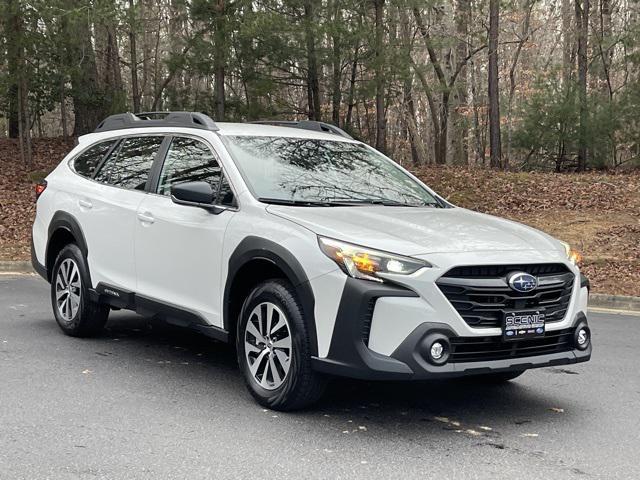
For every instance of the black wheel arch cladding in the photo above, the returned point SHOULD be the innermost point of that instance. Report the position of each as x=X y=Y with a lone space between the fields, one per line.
x=256 y=248
x=66 y=222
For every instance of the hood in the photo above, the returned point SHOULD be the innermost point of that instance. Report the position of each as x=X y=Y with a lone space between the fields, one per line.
x=417 y=231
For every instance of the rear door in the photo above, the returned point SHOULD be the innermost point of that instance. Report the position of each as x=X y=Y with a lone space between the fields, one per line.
x=108 y=210
x=178 y=248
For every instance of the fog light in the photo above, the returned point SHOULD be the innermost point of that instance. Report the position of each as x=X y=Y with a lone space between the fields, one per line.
x=437 y=350
x=582 y=337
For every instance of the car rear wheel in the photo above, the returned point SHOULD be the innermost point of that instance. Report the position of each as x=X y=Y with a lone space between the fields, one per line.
x=75 y=313
x=274 y=349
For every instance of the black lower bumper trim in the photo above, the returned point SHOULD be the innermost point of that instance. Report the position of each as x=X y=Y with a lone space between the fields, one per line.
x=348 y=354
x=350 y=357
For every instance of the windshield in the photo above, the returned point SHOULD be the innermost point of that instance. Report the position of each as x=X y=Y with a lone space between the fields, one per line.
x=310 y=171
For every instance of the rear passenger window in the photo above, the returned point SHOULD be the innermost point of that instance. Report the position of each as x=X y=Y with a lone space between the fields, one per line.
x=188 y=160
x=86 y=163
x=129 y=166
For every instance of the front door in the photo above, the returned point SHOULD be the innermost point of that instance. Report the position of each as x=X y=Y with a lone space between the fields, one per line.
x=178 y=248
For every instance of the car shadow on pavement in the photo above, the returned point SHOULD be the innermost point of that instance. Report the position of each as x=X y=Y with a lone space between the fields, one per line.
x=462 y=406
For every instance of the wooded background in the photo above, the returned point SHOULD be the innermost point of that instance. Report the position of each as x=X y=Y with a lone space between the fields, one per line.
x=512 y=84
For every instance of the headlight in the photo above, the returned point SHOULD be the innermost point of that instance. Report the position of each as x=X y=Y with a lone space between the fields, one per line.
x=362 y=262
x=574 y=256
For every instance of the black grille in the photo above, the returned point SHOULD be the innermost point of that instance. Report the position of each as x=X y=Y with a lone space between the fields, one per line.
x=482 y=349
x=489 y=271
x=368 y=317
x=481 y=294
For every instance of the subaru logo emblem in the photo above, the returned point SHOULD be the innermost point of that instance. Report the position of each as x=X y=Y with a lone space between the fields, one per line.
x=522 y=282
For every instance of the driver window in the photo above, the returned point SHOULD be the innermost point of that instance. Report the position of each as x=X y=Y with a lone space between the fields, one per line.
x=188 y=160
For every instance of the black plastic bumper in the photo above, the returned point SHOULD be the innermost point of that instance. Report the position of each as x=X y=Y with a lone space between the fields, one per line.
x=350 y=357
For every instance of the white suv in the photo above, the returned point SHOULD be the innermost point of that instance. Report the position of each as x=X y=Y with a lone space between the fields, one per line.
x=311 y=251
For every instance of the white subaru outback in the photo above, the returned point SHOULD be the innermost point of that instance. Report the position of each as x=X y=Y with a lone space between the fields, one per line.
x=311 y=251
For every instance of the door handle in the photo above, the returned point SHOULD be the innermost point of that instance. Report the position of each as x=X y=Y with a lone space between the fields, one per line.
x=85 y=204
x=146 y=217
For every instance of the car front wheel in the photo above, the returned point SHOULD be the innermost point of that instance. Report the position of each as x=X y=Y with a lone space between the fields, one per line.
x=274 y=350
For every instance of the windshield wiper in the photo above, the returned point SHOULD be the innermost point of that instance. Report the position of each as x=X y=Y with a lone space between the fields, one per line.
x=381 y=201
x=295 y=203
x=340 y=203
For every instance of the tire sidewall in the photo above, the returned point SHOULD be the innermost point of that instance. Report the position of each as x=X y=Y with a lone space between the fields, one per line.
x=278 y=293
x=73 y=252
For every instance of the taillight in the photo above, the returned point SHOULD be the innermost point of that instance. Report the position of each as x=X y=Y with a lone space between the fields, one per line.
x=40 y=187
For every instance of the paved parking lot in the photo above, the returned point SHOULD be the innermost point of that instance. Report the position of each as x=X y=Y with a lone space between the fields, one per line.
x=149 y=401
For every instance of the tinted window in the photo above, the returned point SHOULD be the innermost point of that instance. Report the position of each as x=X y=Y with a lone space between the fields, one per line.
x=129 y=166
x=188 y=160
x=226 y=194
x=310 y=170
x=87 y=162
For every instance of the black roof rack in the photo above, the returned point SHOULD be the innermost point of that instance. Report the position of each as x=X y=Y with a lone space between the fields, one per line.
x=307 y=125
x=157 y=119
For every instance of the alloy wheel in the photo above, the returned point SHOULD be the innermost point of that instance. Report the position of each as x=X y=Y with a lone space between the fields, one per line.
x=68 y=290
x=267 y=345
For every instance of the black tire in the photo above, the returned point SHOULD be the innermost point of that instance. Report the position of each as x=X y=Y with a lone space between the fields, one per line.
x=302 y=386
x=496 y=378
x=90 y=317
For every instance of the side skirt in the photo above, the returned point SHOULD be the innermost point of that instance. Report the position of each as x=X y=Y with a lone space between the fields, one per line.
x=172 y=314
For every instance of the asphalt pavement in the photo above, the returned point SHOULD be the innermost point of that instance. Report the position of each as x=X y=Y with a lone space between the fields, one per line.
x=150 y=401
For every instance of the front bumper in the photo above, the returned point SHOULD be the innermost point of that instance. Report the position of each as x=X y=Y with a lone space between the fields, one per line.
x=350 y=356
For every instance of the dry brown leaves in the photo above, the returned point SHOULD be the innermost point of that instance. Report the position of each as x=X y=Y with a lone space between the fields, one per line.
x=17 y=197
x=599 y=213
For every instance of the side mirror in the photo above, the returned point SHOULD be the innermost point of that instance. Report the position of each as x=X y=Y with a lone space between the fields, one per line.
x=195 y=194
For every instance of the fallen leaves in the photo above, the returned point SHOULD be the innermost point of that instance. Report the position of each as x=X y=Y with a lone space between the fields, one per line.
x=599 y=213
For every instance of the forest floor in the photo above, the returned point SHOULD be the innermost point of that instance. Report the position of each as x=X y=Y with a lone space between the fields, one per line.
x=597 y=213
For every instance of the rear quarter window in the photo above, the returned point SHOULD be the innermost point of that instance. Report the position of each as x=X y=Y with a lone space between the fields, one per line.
x=88 y=161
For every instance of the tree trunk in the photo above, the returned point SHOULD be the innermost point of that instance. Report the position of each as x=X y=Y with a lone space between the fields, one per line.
x=526 y=5
x=12 y=31
x=135 y=91
x=220 y=59
x=108 y=59
x=459 y=122
x=88 y=102
x=24 y=123
x=381 y=121
x=147 y=93
x=313 y=83
x=337 y=63
x=582 y=23
x=352 y=88
x=495 y=146
x=568 y=43
x=63 y=108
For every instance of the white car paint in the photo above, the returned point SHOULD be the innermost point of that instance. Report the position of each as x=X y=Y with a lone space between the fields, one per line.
x=146 y=243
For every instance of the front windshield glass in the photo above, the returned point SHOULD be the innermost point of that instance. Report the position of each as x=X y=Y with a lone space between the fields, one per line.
x=303 y=170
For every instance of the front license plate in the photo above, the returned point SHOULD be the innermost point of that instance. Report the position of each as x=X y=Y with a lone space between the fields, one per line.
x=520 y=325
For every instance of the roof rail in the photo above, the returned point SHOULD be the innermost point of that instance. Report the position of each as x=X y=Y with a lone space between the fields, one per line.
x=307 y=125
x=121 y=121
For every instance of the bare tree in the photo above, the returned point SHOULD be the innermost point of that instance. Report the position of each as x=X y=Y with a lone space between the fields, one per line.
x=495 y=144
x=381 y=120
x=582 y=23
